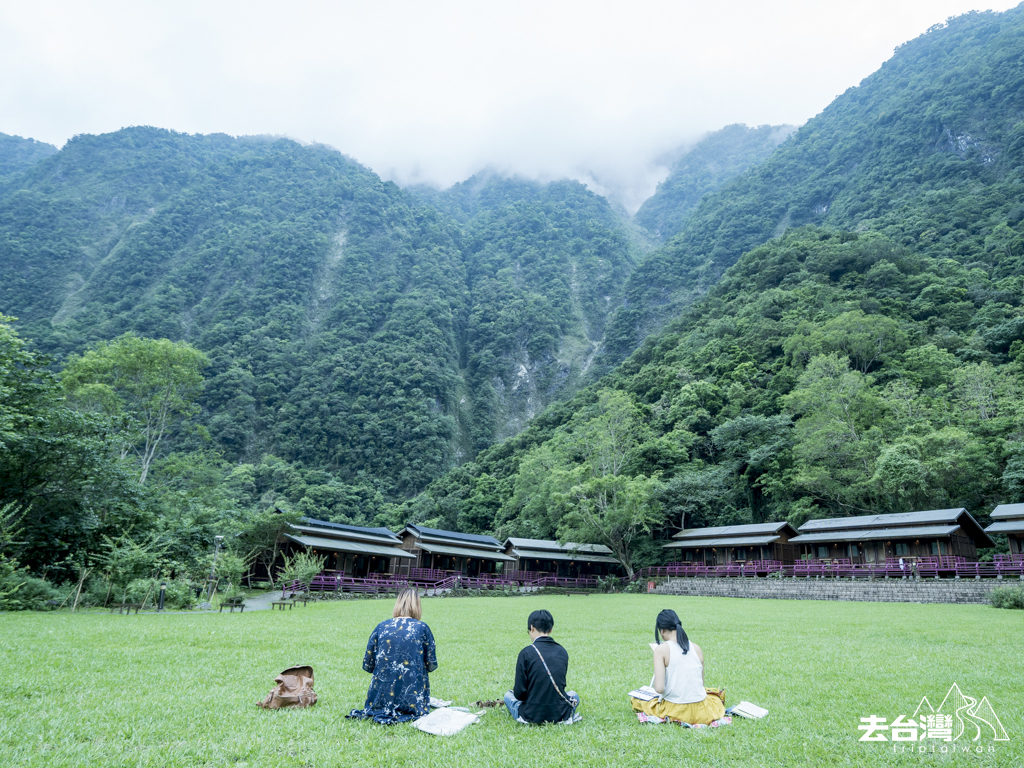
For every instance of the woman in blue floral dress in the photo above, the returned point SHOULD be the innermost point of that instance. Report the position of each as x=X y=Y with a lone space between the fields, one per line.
x=400 y=655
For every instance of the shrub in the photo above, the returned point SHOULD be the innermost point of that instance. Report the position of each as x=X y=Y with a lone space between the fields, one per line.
x=95 y=593
x=231 y=568
x=1007 y=597
x=179 y=594
x=301 y=567
x=21 y=592
x=141 y=589
x=609 y=583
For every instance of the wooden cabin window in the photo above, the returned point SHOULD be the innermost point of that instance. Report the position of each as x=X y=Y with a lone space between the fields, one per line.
x=901 y=548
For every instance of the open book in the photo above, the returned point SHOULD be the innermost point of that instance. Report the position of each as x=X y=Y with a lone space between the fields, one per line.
x=644 y=693
x=746 y=709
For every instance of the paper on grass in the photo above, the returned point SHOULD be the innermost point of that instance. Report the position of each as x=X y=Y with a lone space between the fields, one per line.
x=446 y=721
x=746 y=709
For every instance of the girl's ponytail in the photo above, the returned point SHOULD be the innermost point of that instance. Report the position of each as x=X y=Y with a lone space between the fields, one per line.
x=668 y=619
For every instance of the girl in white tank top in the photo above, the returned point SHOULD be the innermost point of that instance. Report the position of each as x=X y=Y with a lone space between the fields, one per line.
x=684 y=676
x=679 y=678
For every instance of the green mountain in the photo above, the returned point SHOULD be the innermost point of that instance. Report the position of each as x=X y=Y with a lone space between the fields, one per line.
x=836 y=329
x=927 y=150
x=17 y=154
x=715 y=160
x=352 y=327
x=845 y=329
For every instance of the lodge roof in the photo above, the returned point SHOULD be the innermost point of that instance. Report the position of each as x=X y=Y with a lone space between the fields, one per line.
x=934 y=522
x=737 y=531
x=455 y=538
x=1008 y=511
x=933 y=516
x=347 y=545
x=722 y=541
x=344 y=531
x=339 y=537
x=897 y=525
x=546 y=549
x=548 y=544
x=1009 y=519
x=875 y=534
x=444 y=549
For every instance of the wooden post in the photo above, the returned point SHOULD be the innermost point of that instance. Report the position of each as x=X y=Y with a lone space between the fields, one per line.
x=78 y=593
x=149 y=591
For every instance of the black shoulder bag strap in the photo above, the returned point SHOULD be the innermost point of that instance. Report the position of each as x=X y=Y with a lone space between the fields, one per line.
x=552 y=679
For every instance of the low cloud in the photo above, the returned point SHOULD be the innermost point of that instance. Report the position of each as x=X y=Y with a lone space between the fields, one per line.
x=433 y=92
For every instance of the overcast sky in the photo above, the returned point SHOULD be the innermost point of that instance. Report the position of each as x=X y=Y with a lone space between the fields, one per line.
x=434 y=90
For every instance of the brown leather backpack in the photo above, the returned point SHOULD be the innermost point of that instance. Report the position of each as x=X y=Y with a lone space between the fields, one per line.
x=294 y=689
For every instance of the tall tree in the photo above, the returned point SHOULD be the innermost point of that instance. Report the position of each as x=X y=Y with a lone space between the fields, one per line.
x=148 y=386
x=58 y=470
x=605 y=504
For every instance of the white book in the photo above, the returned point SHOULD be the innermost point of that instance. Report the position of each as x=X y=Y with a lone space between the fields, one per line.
x=644 y=693
x=746 y=709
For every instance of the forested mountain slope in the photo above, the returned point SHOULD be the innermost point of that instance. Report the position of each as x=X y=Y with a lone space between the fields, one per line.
x=714 y=161
x=545 y=266
x=17 y=154
x=828 y=373
x=351 y=327
x=927 y=149
x=866 y=354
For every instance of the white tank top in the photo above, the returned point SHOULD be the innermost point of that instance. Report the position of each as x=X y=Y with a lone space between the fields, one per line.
x=684 y=679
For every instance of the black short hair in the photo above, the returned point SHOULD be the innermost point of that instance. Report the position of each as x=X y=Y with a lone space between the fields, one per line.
x=542 y=621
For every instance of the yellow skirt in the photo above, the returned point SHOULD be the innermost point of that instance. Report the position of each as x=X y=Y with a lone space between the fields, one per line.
x=699 y=712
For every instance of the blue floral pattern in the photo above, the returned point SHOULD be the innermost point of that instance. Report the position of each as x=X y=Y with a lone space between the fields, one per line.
x=400 y=653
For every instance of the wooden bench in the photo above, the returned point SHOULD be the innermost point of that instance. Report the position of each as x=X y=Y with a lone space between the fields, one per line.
x=281 y=604
x=126 y=608
x=231 y=603
x=305 y=598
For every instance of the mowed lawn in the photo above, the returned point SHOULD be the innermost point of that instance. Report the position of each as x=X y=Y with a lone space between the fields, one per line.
x=180 y=689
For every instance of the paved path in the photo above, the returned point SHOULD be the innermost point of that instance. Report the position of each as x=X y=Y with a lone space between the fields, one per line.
x=261 y=601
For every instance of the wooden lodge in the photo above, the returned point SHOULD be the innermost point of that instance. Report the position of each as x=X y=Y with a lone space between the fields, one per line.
x=876 y=538
x=562 y=560
x=350 y=549
x=724 y=544
x=1009 y=519
x=434 y=550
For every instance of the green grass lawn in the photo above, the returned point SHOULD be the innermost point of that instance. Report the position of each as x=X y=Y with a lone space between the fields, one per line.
x=180 y=689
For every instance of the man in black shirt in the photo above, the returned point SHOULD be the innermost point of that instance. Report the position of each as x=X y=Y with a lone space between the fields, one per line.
x=539 y=694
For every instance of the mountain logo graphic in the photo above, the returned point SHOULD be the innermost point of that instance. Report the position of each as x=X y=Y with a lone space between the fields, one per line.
x=970 y=716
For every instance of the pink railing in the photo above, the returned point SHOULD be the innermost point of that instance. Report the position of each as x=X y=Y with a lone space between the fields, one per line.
x=563 y=581
x=429 y=575
x=487 y=581
x=932 y=566
x=448 y=583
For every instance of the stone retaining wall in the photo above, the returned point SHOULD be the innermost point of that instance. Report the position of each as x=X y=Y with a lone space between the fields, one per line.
x=877 y=590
